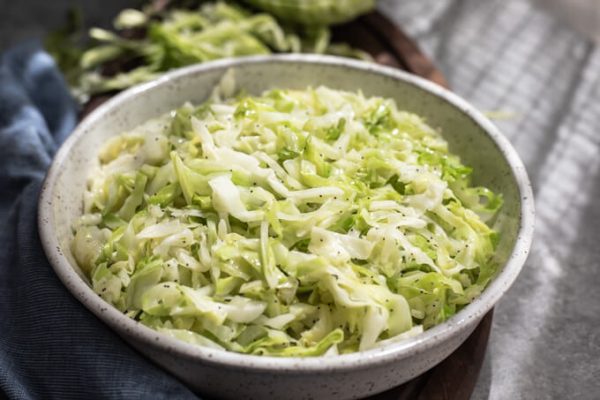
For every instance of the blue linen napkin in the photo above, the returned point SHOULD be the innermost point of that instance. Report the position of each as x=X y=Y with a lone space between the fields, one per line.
x=50 y=345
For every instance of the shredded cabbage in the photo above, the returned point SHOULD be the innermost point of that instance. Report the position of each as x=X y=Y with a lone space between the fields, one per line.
x=150 y=42
x=294 y=223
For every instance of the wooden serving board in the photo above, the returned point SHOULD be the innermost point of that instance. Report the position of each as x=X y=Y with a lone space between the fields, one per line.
x=455 y=377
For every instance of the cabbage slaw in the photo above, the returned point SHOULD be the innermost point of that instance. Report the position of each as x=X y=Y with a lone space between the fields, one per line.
x=294 y=223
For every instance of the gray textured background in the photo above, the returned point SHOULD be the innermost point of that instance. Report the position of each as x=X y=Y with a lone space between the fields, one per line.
x=511 y=57
x=507 y=55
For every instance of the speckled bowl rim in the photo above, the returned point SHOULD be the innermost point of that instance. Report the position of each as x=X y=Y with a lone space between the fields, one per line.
x=220 y=358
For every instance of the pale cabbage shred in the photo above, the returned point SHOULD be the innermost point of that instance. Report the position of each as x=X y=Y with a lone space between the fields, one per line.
x=298 y=223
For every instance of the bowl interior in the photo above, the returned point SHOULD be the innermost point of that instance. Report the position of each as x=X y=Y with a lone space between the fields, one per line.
x=470 y=136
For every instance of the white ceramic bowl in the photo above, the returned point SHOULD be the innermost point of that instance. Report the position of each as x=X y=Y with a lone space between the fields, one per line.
x=231 y=375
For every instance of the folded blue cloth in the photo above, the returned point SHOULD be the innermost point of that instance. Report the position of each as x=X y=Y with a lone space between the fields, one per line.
x=50 y=345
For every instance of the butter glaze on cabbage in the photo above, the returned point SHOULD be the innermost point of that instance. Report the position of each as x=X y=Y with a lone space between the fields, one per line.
x=294 y=223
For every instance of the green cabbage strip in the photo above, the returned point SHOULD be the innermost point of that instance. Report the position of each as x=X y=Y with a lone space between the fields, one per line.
x=315 y=12
x=296 y=223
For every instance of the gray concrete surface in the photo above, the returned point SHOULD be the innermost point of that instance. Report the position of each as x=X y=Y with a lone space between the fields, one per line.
x=512 y=57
